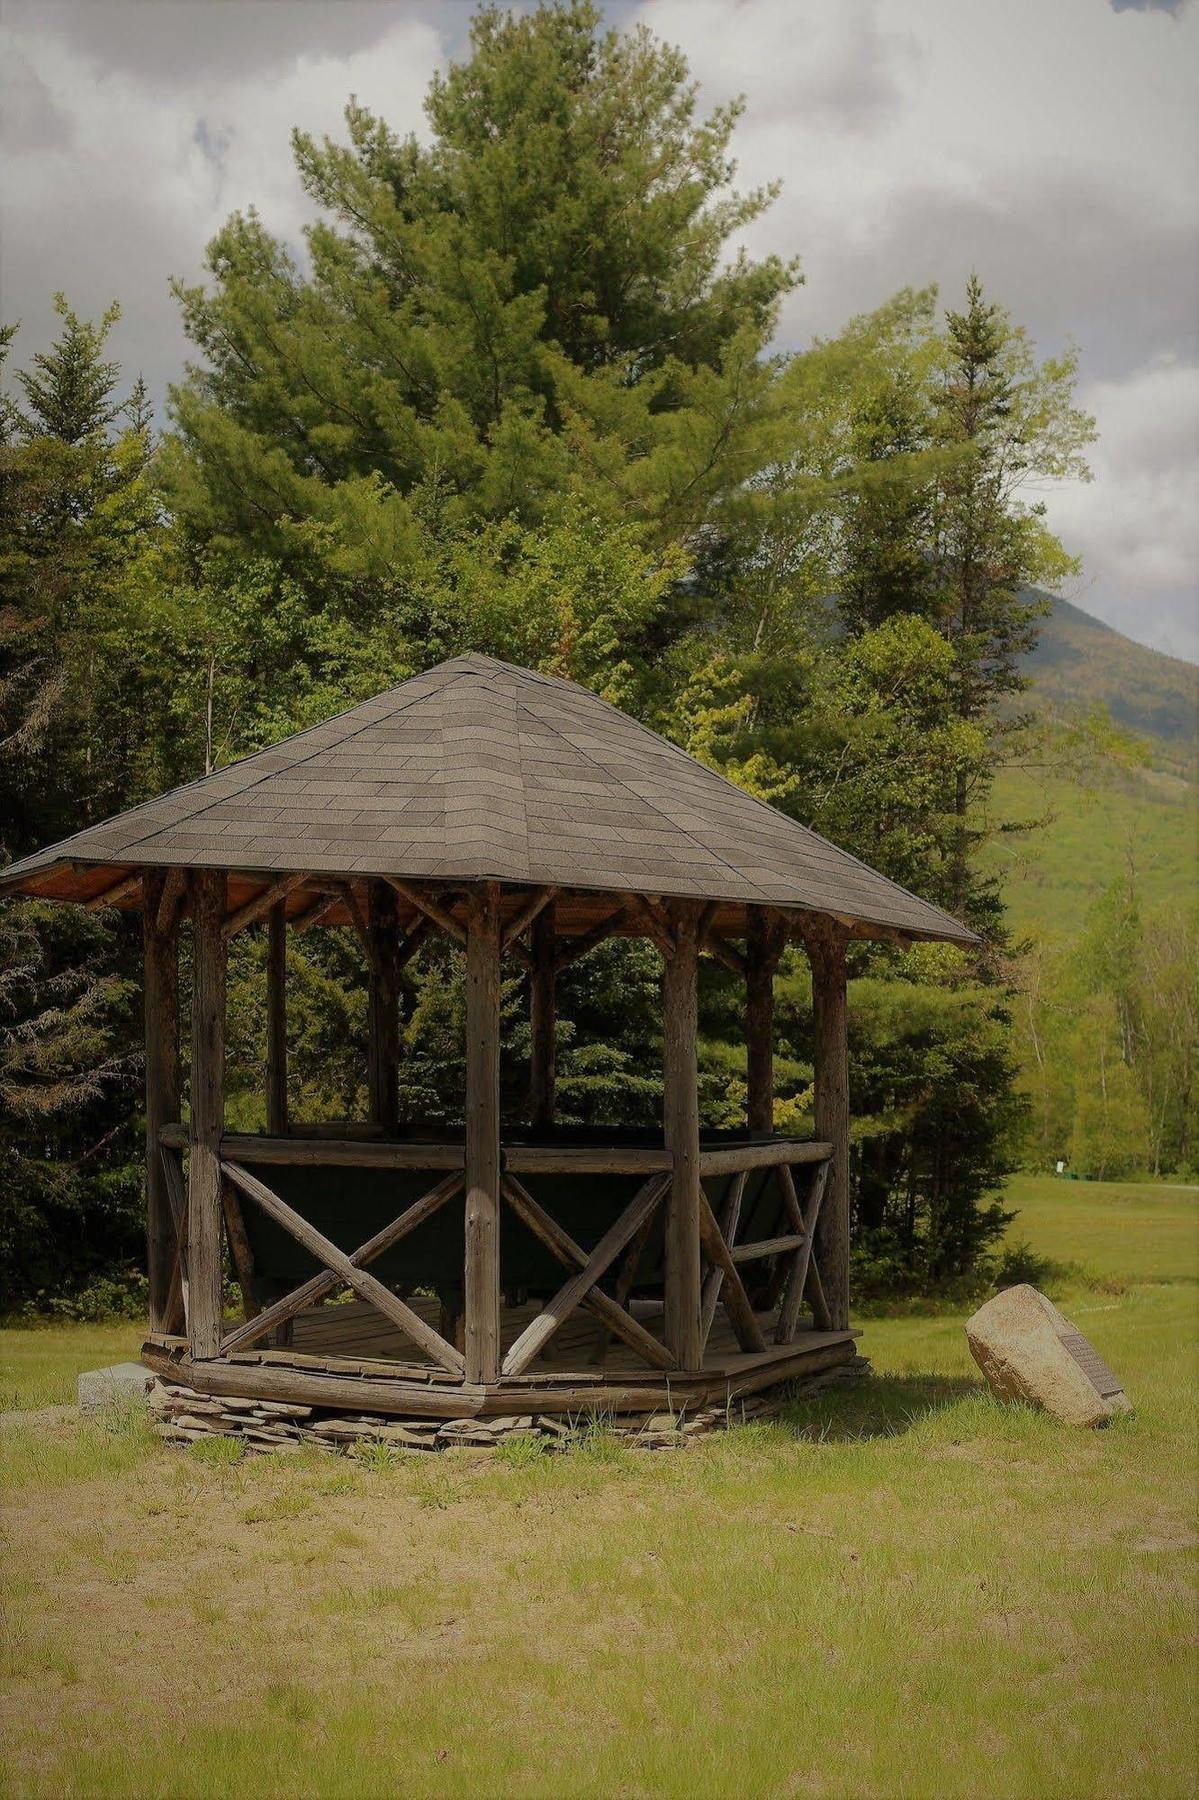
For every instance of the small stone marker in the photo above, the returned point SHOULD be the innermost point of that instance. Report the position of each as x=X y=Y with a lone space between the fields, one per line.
x=1028 y=1351
x=122 y=1384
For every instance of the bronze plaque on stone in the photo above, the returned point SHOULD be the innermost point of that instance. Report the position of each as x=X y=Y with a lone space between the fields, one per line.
x=1092 y=1364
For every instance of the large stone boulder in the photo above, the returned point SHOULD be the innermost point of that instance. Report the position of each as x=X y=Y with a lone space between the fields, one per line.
x=1028 y=1351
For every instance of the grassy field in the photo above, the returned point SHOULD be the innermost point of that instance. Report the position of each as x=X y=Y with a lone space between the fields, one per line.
x=906 y=1591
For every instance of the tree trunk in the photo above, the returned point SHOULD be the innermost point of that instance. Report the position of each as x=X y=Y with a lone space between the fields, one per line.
x=162 y=1092
x=383 y=1026
x=482 y=1272
x=276 y=1021
x=761 y=962
x=681 y=1127
x=543 y=1020
x=826 y=953
x=204 y=1211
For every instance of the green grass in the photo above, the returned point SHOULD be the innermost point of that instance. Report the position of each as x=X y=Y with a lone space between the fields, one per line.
x=1052 y=877
x=909 y=1590
x=40 y=1364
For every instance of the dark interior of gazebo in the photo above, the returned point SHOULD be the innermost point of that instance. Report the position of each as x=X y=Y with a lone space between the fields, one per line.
x=489 y=1270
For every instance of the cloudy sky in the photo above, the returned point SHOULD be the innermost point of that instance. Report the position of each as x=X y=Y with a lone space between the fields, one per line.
x=1051 y=144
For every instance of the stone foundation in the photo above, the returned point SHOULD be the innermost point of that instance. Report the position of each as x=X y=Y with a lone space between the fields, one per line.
x=183 y=1416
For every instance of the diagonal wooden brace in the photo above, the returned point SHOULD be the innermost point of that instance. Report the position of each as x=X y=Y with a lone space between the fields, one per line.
x=560 y=1244
x=175 y=1313
x=803 y=1269
x=729 y=1224
x=339 y=1264
x=736 y=1301
x=571 y=1294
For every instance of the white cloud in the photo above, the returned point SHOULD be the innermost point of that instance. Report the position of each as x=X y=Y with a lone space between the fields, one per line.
x=133 y=191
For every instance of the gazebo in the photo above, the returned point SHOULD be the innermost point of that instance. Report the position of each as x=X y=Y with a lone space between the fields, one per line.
x=490 y=1271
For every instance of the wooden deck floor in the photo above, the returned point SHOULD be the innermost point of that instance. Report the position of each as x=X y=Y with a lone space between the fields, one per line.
x=582 y=1345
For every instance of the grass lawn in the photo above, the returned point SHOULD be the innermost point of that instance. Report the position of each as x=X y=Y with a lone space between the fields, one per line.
x=905 y=1591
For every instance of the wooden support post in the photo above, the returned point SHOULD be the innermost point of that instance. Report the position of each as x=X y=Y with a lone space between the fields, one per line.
x=162 y=1096
x=482 y=1273
x=684 y=1334
x=276 y=1021
x=760 y=962
x=383 y=1048
x=543 y=1020
x=826 y=953
x=204 y=1212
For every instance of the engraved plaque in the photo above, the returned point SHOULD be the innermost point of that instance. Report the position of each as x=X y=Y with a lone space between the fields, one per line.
x=1091 y=1363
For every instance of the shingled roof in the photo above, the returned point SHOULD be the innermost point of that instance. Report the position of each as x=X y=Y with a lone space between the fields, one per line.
x=477 y=770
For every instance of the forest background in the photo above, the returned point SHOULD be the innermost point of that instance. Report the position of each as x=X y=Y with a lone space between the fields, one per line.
x=520 y=395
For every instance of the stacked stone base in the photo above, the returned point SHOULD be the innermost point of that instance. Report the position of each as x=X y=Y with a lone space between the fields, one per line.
x=183 y=1416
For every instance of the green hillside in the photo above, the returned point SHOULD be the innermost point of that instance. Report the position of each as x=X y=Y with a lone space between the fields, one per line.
x=1052 y=876
x=1080 y=663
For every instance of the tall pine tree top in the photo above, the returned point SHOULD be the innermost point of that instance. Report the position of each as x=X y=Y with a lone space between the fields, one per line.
x=540 y=301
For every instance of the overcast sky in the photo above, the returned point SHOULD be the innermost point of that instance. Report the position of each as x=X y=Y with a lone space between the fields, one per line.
x=1051 y=144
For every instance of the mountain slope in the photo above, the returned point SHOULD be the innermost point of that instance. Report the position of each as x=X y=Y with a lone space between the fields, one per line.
x=1081 y=662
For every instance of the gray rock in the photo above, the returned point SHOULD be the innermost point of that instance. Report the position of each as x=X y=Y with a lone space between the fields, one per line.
x=123 y=1384
x=1029 y=1352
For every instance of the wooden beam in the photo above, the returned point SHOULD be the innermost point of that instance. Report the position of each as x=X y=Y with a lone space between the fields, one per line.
x=729 y=1224
x=276 y=1020
x=780 y=1152
x=802 y=1264
x=723 y=951
x=344 y=1267
x=736 y=1301
x=560 y=1244
x=161 y=1002
x=826 y=953
x=383 y=1007
x=120 y=890
x=571 y=1294
x=317 y=913
x=260 y=905
x=520 y=921
x=681 y=1131
x=761 y=960
x=414 y=937
x=319 y=1285
x=482 y=1271
x=431 y=907
x=171 y=897
x=764 y=1247
x=570 y=951
x=239 y=1248
x=177 y=1307
x=207 y=1112
x=543 y=1004
x=658 y=924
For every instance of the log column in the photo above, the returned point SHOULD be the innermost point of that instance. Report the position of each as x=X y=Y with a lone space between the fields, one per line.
x=207 y=1113
x=161 y=940
x=543 y=1004
x=383 y=1045
x=826 y=952
x=763 y=948
x=681 y=1127
x=276 y=1021
x=482 y=1272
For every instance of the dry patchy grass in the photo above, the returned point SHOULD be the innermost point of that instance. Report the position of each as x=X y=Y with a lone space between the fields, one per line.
x=905 y=1591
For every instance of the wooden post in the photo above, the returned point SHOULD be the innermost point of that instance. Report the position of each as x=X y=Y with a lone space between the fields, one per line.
x=482 y=1273
x=826 y=953
x=162 y=1092
x=761 y=960
x=543 y=1020
x=383 y=1044
x=204 y=1211
x=276 y=1021
x=681 y=1125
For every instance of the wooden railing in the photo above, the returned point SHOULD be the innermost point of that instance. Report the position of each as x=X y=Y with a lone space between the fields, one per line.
x=794 y=1274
